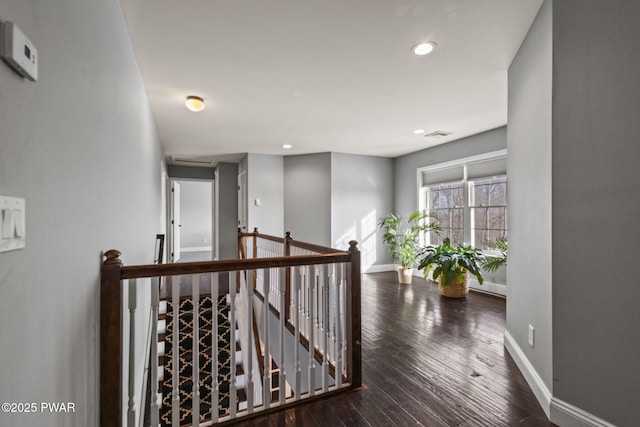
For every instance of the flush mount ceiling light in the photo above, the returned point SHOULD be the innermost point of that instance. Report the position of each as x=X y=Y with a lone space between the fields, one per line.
x=287 y=146
x=418 y=131
x=423 y=48
x=438 y=134
x=194 y=103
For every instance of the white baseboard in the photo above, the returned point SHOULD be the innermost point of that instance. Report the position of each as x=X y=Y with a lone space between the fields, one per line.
x=567 y=415
x=196 y=249
x=380 y=268
x=490 y=287
x=558 y=411
x=539 y=388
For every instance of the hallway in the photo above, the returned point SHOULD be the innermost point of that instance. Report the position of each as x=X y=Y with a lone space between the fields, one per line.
x=428 y=361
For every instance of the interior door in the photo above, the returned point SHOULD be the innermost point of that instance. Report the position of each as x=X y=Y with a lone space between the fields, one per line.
x=175 y=221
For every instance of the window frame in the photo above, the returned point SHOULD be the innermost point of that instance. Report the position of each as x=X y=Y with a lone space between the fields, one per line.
x=422 y=189
x=472 y=205
x=424 y=206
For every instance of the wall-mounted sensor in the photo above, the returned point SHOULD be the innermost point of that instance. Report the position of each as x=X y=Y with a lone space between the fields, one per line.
x=18 y=51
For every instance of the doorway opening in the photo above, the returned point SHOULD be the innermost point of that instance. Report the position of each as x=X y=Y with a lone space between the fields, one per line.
x=190 y=227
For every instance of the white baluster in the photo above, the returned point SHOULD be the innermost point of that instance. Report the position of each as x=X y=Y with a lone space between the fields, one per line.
x=215 y=394
x=266 y=380
x=283 y=370
x=131 y=412
x=195 y=361
x=175 y=347
x=154 y=411
x=339 y=343
x=273 y=283
x=233 y=406
x=303 y=299
x=318 y=305
x=249 y=359
x=297 y=373
x=325 y=328
x=311 y=322
x=332 y=314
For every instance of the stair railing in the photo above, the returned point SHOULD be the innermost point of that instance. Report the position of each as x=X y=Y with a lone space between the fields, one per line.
x=318 y=321
x=324 y=285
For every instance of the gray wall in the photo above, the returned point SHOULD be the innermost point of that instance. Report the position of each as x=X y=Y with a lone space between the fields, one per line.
x=265 y=183
x=529 y=195
x=307 y=197
x=80 y=146
x=243 y=199
x=596 y=207
x=361 y=194
x=190 y=172
x=226 y=198
x=405 y=179
x=196 y=214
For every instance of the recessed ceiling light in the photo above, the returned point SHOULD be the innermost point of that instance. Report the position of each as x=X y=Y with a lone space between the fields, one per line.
x=424 y=48
x=194 y=103
x=287 y=146
x=418 y=131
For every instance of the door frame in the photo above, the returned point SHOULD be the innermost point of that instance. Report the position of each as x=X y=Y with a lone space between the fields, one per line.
x=169 y=223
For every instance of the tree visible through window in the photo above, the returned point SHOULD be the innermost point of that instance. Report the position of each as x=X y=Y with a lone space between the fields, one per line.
x=469 y=198
x=488 y=209
x=446 y=203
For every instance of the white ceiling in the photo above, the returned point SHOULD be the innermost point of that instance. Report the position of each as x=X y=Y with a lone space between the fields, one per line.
x=324 y=75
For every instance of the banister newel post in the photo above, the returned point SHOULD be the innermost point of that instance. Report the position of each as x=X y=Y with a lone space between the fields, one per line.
x=111 y=340
x=356 y=325
x=255 y=243
x=255 y=254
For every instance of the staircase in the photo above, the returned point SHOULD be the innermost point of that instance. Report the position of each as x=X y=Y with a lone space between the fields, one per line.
x=294 y=306
x=166 y=348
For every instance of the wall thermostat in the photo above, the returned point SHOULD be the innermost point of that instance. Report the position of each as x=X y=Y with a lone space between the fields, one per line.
x=18 y=51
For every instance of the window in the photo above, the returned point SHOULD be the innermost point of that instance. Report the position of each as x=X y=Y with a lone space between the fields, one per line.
x=469 y=198
x=446 y=203
x=488 y=210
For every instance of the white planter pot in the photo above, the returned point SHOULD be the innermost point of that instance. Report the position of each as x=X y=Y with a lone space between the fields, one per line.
x=405 y=275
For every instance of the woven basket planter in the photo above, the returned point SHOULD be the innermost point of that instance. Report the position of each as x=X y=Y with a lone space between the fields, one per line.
x=455 y=289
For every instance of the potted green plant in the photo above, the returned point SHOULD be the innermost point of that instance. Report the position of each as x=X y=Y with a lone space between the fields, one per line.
x=452 y=267
x=494 y=261
x=403 y=239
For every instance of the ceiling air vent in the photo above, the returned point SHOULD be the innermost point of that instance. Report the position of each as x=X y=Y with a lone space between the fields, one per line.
x=192 y=161
x=437 y=134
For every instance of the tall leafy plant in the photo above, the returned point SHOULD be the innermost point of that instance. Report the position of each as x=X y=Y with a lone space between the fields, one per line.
x=403 y=238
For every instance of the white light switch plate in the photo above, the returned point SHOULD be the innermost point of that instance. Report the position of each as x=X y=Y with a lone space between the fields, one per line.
x=13 y=225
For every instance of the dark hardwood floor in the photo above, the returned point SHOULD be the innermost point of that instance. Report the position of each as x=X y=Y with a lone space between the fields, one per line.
x=427 y=361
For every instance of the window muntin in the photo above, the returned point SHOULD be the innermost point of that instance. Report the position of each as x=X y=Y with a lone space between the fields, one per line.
x=446 y=203
x=488 y=210
x=476 y=211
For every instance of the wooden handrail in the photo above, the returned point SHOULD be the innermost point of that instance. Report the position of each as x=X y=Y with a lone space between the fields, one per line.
x=314 y=248
x=154 y=270
x=262 y=236
x=291 y=242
